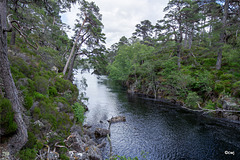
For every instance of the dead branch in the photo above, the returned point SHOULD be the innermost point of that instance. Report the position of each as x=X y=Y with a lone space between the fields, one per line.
x=59 y=146
x=18 y=28
x=9 y=23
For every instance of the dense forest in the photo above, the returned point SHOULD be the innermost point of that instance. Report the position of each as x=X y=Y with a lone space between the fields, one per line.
x=191 y=57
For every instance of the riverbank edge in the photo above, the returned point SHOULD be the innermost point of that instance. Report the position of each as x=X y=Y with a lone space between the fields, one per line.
x=227 y=121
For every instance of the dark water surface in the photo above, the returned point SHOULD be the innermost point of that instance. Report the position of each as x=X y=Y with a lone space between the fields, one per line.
x=158 y=130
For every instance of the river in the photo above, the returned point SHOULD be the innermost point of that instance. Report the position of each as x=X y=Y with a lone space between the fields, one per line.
x=158 y=130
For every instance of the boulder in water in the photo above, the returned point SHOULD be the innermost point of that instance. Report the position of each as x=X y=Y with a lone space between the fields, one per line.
x=117 y=119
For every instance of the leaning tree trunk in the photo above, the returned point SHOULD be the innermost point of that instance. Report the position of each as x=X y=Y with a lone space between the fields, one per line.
x=71 y=66
x=75 y=56
x=20 y=138
x=222 y=35
x=74 y=45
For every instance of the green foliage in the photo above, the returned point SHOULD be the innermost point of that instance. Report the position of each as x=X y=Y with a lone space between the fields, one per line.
x=27 y=154
x=16 y=73
x=192 y=99
x=51 y=118
x=37 y=113
x=39 y=96
x=31 y=140
x=65 y=86
x=63 y=157
x=226 y=76
x=41 y=84
x=62 y=84
x=7 y=122
x=236 y=89
x=128 y=61
x=209 y=62
x=79 y=112
x=52 y=92
x=210 y=105
x=28 y=101
x=20 y=67
x=223 y=86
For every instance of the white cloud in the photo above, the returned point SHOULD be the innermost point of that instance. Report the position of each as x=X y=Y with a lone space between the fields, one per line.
x=121 y=17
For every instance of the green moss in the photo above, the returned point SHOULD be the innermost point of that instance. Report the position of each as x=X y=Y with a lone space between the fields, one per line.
x=7 y=116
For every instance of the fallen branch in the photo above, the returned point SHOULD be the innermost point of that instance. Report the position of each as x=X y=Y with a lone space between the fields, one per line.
x=210 y=110
x=217 y=110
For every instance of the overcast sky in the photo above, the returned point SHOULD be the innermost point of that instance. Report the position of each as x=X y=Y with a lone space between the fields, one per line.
x=121 y=16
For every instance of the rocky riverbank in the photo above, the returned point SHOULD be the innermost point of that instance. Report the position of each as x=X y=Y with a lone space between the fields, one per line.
x=80 y=144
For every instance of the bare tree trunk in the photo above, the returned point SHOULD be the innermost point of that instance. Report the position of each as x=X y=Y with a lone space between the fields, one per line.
x=74 y=45
x=179 y=55
x=13 y=36
x=71 y=66
x=222 y=35
x=190 y=38
x=74 y=57
x=179 y=45
x=18 y=140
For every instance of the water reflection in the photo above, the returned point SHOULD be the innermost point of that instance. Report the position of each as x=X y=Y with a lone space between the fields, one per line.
x=162 y=130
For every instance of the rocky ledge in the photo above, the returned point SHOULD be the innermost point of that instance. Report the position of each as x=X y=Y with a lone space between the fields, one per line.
x=80 y=145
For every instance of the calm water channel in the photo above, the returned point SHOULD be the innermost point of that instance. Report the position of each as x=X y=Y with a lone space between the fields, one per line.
x=159 y=130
